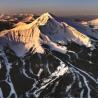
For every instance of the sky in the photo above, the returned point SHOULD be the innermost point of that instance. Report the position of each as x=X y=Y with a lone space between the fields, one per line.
x=56 y=7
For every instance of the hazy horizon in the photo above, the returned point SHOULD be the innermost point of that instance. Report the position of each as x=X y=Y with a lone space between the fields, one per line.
x=56 y=7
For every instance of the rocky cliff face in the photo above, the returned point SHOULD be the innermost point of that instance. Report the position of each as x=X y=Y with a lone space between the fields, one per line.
x=22 y=38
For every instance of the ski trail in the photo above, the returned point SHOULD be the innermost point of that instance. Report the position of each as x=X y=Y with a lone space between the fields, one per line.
x=8 y=77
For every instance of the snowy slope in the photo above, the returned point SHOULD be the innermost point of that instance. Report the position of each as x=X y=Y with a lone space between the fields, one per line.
x=86 y=29
x=61 y=33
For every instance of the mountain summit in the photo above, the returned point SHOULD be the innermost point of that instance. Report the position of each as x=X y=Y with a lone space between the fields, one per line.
x=44 y=30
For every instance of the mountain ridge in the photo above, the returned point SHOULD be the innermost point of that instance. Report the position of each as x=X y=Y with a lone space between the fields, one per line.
x=28 y=35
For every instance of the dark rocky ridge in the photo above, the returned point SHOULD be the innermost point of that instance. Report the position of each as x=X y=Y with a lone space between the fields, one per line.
x=23 y=79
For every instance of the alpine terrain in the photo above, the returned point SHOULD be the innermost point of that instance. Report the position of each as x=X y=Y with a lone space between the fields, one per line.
x=47 y=58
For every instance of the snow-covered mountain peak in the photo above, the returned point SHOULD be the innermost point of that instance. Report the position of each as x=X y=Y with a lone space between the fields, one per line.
x=30 y=35
x=43 y=19
x=47 y=14
x=23 y=37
